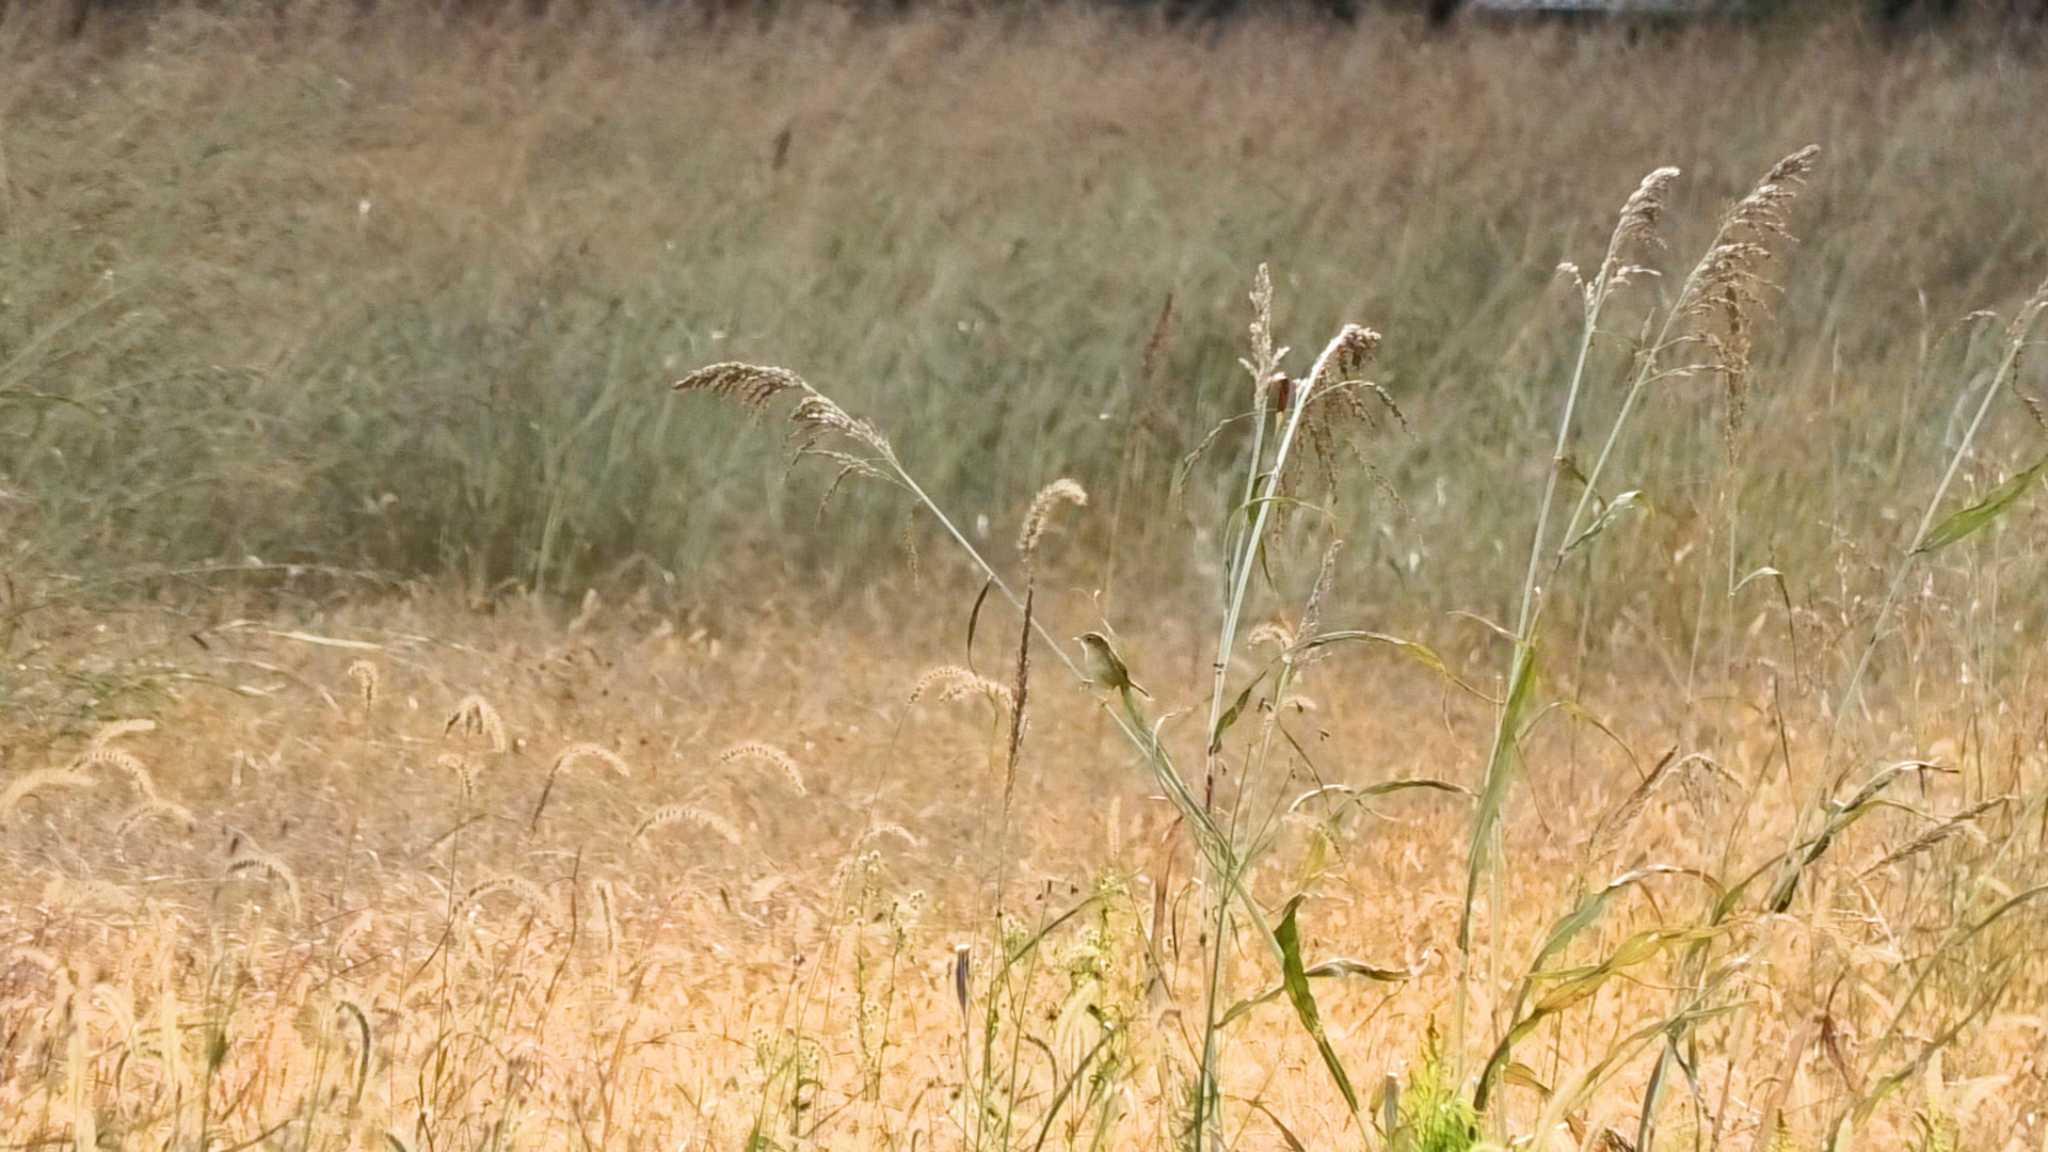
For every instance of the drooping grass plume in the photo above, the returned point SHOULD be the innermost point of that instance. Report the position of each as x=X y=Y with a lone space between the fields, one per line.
x=769 y=754
x=529 y=893
x=475 y=716
x=154 y=808
x=106 y=734
x=950 y=683
x=255 y=862
x=41 y=780
x=577 y=753
x=669 y=815
x=464 y=769
x=124 y=762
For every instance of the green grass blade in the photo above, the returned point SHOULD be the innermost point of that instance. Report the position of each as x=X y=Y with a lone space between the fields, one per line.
x=1295 y=977
x=1968 y=521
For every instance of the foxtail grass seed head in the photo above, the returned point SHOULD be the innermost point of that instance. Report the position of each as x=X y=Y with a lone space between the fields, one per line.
x=155 y=809
x=119 y=729
x=475 y=717
x=124 y=762
x=463 y=767
x=262 y=865
x=886 y=830
x=529 y=893
x=41 y=780
x=1039 y=517
x=669 y=815
x=950 y=683
x=368 y=682
x=576 y=753
x=769 y=754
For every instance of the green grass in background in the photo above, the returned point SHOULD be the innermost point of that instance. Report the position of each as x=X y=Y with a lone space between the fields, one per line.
x=406 y=297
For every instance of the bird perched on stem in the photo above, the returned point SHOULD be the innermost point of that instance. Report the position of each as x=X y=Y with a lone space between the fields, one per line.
x=1105 y=668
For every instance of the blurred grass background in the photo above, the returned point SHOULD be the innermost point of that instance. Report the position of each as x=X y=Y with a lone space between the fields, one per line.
x=404 y=294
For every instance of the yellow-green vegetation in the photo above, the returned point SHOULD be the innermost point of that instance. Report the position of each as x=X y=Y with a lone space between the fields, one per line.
x=586 y=583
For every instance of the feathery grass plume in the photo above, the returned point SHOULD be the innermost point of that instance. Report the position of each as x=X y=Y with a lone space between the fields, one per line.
x=528 y=892
x=368 y=681
x=108 y=733
x=768 y=754
x=464 y=768
x=474 y=716
x=154 y=808
x=102 y=756
x=751 y=386
x=40 y=780
x=576 y=753
x=877 y=831
x=1635 y=229
x=567 y=760
x=1049 y=498
x=1341 y=407
x=815 y=421
x=671 y=814
x=253 y=861
x=950 y=683
x=1728 y=285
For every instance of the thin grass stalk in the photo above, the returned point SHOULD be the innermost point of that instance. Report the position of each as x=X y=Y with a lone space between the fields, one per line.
x=1596 y=301
x=1245 y=561
x=2008 y=369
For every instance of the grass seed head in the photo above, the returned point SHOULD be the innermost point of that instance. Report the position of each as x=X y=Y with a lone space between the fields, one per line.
x=950 y=683
x=1039 y=517
x=474 y=716
x=768 y=754
x=41 y=780
x=576 y=753
x=368 y=682
x=671 y=814
x=124 y=762
x=251 y=861
x=465 y=770
x=108 y=733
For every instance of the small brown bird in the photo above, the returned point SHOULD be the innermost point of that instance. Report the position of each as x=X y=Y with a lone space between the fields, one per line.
x=1104 y=666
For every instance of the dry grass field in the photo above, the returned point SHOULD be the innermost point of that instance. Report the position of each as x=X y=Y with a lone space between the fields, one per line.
x=546 y=567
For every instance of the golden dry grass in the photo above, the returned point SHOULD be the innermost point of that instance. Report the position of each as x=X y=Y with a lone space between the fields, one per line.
x=1731 y=812
x=544 y=982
